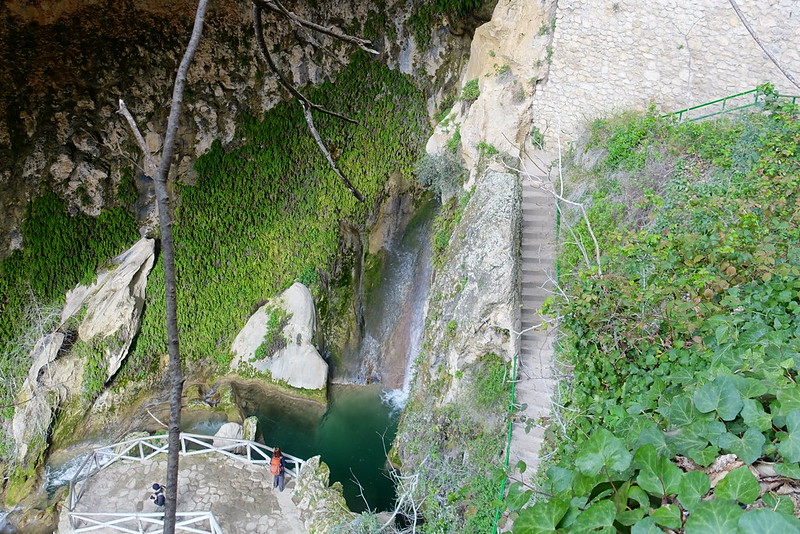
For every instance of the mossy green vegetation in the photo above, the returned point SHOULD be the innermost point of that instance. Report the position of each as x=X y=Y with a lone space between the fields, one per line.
x=460 y=446
x=267 y=212
x=274 y=338
x=444 y=224
x=686 y=348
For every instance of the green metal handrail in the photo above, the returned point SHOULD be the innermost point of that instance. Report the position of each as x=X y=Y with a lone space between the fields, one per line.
x=759 y=98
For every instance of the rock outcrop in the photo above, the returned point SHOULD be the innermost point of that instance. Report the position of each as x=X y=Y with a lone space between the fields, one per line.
x=34 y=414
x=114 y=302
x=508 y=58
x=227 y=436
x=322 y=506
x=299 y=363
x=113 y=308
x=473 y=304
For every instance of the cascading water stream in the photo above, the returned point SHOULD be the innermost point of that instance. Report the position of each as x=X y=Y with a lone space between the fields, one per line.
x=394 y=304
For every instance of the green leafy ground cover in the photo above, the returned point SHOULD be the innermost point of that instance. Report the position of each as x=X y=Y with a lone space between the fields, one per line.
x=267 y=212
x=687 y=347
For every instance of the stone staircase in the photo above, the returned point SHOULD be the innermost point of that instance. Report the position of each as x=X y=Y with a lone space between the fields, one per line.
x=535 y=384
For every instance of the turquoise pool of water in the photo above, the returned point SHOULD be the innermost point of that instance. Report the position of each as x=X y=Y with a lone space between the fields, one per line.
x=352 y=437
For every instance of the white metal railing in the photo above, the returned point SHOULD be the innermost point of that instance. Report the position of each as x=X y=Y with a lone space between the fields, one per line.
x=144 y=448
x=196 y=522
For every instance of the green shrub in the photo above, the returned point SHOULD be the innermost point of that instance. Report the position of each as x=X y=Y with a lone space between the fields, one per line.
x=470 y=92
x=441 y=173
x=487 y=149
x=454 y=143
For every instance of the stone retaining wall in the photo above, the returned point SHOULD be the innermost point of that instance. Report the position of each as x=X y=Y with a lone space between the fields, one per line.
x=612 y=55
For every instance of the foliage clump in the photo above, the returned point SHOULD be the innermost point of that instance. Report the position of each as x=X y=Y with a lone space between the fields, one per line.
x=441 y=173
x=470 y=92
x=686 y=349
x=274 y=338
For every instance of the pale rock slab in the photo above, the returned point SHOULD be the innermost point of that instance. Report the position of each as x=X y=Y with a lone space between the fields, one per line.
x=114 y=302
x=227 y=433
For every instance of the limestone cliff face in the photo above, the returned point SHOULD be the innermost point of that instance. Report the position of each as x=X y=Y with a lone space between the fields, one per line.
x=473 y=302
x=66 y=63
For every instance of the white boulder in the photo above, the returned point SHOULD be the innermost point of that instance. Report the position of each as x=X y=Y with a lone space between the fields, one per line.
x=299 y=363
x=226 y=434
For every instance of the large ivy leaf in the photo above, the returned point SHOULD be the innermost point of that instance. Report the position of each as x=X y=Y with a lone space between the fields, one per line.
x=518 y=496
x=638 y=495
x=752 y=335
x=651 y=434
x=754 y=415
x=704 y=457
x=603 y=449
x=749 y=388
x=782 y=504
x=789 y=447
x=714 y=517
x=541 y=518
x=748 y=448
x=681 y=412
x=719 y=395
x=739 y=485
x=657 y=475
x=694 y=485
x=600 y=514
x=685 y=440
x=787 y=470
x=668 y=516
x=560 y=478
x=629 y=517
x=765 y=521
x=712 y=430
x=789 y=398
x=646 y=526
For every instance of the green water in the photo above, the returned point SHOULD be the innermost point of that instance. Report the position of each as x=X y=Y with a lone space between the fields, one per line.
x=352 y=437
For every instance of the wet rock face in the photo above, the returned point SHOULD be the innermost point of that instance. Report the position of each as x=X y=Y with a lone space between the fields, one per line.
x=66 y=65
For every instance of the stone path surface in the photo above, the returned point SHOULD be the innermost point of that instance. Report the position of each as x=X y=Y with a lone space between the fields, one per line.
x=239 y=494
x=535 y=386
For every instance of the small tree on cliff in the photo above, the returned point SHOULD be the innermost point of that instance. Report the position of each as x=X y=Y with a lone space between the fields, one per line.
x=161 y=172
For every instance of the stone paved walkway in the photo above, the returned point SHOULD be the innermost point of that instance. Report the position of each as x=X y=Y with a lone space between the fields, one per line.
x=239 y=494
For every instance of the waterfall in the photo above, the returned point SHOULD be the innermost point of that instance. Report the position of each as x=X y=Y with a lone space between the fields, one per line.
x=394 y=307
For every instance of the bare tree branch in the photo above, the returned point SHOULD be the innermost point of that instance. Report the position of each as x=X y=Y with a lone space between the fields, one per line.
x=159 y=176
x=167 y=247
x=277 y=7
x=761 y=45
x=267 y=57
x=324 y=149
x=307 y=105
x=149 y=165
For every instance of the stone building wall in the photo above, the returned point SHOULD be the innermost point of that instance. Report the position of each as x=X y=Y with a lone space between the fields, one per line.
x=612 y=55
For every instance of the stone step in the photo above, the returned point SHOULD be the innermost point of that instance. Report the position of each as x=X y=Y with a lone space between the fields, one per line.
x=538 y=231
x=537 y=268
x=535 y=252
x=535 y=291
